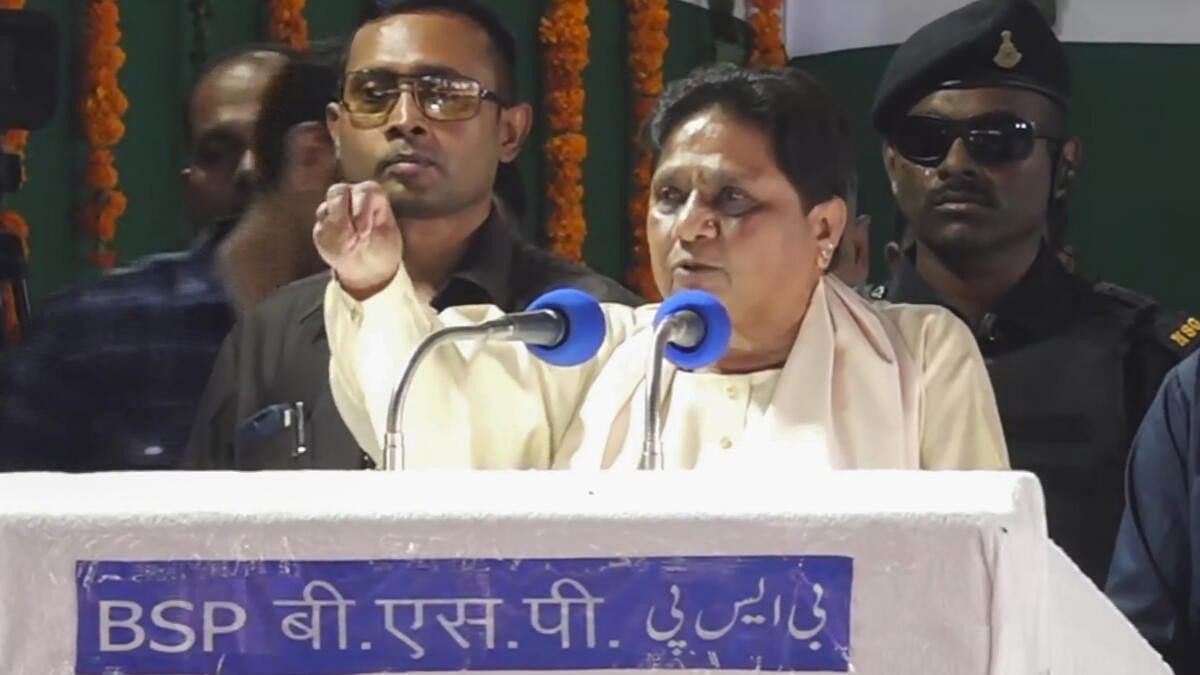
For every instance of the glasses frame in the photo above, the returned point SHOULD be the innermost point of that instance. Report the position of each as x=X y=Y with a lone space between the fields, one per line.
x=409 y=83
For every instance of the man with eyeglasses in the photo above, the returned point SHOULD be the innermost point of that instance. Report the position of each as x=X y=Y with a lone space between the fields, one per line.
x=973 y=110
x=428 y=115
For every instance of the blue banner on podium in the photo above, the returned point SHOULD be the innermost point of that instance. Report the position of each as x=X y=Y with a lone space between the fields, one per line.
x=769 y=613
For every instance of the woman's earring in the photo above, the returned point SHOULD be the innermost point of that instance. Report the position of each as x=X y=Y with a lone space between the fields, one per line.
x=825 y=257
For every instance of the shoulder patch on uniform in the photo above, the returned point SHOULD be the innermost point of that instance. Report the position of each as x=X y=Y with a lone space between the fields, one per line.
x=1177 y=331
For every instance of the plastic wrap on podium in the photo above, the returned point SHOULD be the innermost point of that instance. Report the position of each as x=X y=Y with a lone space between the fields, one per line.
x=340 y=573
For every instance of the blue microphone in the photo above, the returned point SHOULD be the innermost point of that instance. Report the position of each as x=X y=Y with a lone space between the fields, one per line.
x=698 y=328
x=692 y=330
x=578 y=322
x=564 y=327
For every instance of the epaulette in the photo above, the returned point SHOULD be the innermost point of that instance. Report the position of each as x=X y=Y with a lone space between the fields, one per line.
x=1178 y=332
x=1131 y=299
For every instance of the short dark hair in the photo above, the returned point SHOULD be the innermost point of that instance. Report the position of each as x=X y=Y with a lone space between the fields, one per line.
x=808 y=128
x=504 y=45
x=298 y=93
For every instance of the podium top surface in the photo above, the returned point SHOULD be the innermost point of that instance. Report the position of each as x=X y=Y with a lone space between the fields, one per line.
x=447 y=494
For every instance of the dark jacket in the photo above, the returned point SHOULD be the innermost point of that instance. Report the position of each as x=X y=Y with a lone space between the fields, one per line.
x=280 y=355
x=1074 y=366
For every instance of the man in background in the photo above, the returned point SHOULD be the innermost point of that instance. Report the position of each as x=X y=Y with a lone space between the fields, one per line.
x=974 y=111
x=222 y=114
x=111 y=372
x=433 y=121
x=294 y=165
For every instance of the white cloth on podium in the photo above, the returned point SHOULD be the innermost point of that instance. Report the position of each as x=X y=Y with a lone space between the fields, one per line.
x=949 y=569
x=865 y=386
x=952 y=572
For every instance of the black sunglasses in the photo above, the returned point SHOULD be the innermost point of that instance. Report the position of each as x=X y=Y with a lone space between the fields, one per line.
x=991 y=139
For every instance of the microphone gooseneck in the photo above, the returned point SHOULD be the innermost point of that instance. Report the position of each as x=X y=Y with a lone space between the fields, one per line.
x=564 y=327
x=652 y=440
x=393 y=439
x=692 y=330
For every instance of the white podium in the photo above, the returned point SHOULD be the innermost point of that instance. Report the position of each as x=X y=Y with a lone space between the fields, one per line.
x=888 y=573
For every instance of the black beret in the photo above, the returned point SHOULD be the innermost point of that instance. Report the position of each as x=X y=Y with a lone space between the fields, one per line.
x=988 y=43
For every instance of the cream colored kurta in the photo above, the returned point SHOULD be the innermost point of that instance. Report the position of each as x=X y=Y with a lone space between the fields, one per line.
x=867 y=385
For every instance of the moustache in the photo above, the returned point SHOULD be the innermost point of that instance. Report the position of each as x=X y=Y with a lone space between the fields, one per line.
x=403 y=154
x=962 y=190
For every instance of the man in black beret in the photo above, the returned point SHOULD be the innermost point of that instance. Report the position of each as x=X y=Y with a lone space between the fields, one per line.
x=973 y=109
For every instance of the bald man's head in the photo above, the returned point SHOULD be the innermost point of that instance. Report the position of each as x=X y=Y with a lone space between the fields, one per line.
x=222 y=112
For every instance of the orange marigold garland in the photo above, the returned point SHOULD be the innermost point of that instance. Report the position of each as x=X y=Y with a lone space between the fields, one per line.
x=766 y=17
x=288 y=24
x=565 y=41
x=103 y=105
x=10 y=221
x=648 y=23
